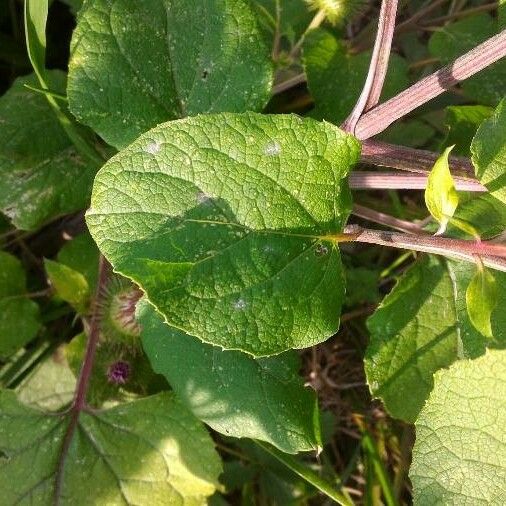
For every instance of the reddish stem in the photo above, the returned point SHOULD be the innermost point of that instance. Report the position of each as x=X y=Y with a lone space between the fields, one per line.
x=378 y=66
x=411 y=160
x=387 y=220
x=84 y=376
x=380 y=117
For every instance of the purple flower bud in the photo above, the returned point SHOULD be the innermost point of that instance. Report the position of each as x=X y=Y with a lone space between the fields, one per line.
x=118 y=372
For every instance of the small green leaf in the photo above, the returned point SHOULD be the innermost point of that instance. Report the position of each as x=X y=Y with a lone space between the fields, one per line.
x=137 y=64
x=35 y=29
x=441 y=197
x=460 y=451
x=481 y=299
x=228 y=221
x=19 y=316
x=41 y=176
x=232 y=392
x=69 y=285
x=151 y=451
x=489 y=153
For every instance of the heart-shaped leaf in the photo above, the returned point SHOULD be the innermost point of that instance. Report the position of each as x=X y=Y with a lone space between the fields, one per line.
x=228 y=223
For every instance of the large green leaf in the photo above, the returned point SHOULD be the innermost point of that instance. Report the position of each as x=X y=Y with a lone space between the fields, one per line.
x=455 y=39
x=421 y=327
x=147 y=452
x=19 y=316
x=137 y=64
x=232 y=392
x=41 y=174
x=227 y=222
x=460 y=451
x=489 y=153
x=335 y=77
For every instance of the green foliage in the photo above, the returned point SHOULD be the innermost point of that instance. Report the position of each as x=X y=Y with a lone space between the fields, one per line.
x=460 y=451
x=489 y=153
x=19 y=316
x=455 y=39
x=129 y=454
x=42 y=176
x=233 y=393
x=335 y=76
x=441 y=197
x=137 y=64
x=226 y=222
x=421 y=327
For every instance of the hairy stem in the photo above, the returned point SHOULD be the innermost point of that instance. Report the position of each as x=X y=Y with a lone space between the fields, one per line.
x=378 y=66
x=382 y=116
x=411 y=160
x=493 y=255
x=364 y=180
x=84 y=376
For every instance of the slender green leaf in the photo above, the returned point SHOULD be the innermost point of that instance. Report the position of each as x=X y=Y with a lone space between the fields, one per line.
x=232 y=392
x=460 y=451
x=441 y=197
x=489 y=153
x=151 y=451
x=137 y=64
x=227 y=222
x=481 y=299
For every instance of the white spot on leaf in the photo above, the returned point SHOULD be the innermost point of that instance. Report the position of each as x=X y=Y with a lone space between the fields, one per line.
x=272 y=148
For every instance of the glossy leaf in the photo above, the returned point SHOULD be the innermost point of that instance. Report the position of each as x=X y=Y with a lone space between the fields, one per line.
x=489 y=153
x=19 y=316
x=460 y=451
x=441 y=197
x=137 y=64
x=232 y=392
x=481 y=299
x=455 y=39
x=335 y=77
x=69 y=284
x=151 y=451
x=227 y=222
x=421 y=327
x=41 y=176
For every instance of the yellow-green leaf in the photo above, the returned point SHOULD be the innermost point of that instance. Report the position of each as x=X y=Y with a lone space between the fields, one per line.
x=441 y=196
x=481 y=299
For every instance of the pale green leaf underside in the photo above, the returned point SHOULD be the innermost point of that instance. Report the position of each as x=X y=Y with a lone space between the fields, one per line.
x=489 y=153
x=151 y=451
x=41 y=176
x=137 y=64
x=220 y=220
x=232 y=392
x=459 y=456
x=421 y=327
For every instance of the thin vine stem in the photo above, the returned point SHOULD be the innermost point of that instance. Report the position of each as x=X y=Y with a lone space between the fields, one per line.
x=382 y=116
x=378 y=66
x=79 y=401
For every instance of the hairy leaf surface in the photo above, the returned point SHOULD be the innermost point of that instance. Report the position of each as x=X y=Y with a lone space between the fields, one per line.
x=137 y=64
x=232 y=392
x=227 y=222
x=151 y=451
x=460 y=451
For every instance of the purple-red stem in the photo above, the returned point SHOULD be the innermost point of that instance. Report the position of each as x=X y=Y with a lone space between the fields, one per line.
x=79 y=401
x=382 y=116
x=378 y=66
